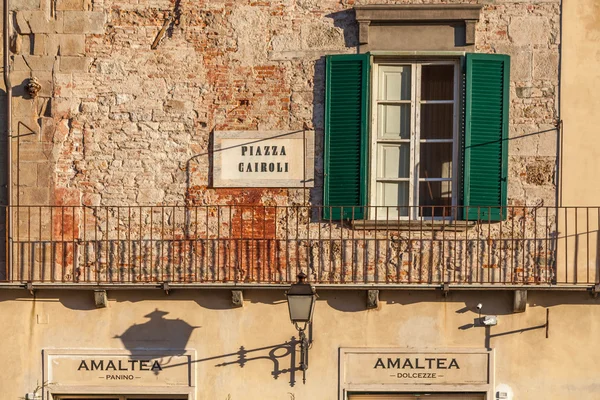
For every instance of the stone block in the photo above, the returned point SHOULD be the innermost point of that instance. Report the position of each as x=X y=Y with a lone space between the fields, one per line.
x=74 y=63
x=547 y=140
x=47 y=129
x=22 y=25
x=38 y=22
x=529 y=30
x=16 y=44
x=38 y=152
x=237 y=298
x=150 y=196
x=52 y=44
x=545 y=65
x=18 y=64
x=22 y=107
x=70 y=5
x=100 y=298
x=28 y=174
x=322 y=36
x=35 y=63
x=520 y=65
x=18 y=5
x=72 y=45
x=39 y=44
x=34 y=195
x=372 y=299
x=83 y=22
x=520 y=301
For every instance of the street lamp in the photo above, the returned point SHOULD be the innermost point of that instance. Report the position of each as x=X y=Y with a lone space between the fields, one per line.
x=301 y=303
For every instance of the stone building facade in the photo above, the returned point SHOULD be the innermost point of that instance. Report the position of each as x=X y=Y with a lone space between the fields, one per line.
x=114 y=194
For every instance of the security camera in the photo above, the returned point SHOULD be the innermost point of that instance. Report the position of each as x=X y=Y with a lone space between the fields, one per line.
x=479 y=306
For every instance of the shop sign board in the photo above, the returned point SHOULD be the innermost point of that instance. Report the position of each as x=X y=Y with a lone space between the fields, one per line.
x=263 y=159
x=111 y=368
x=399 y=369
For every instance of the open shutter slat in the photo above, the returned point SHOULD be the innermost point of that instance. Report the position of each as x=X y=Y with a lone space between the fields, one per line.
x=346 y=127
x=486 y=136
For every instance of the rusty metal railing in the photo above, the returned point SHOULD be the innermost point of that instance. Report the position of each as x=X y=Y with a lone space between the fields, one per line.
x=249 y=244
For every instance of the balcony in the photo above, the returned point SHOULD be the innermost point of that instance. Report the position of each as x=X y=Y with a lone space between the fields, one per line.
x=266 y=246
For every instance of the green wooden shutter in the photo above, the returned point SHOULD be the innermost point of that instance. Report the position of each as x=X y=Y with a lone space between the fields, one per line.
x=346 y=136
x=486 y=136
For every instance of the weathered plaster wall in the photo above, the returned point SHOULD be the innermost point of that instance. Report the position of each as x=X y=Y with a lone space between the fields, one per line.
x=119 y=123
x=532 y=366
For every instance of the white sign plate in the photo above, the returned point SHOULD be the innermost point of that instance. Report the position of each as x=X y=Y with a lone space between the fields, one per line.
x=263 y=159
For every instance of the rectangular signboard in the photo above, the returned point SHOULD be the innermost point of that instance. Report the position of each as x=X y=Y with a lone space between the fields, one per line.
x=263 y=159
x=417 y=370
x=111 y=368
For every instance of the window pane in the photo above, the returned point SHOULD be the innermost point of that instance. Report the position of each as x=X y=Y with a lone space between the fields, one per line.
x=436 y=160
x=395 y=82
x=394 y=121
x=437 y=121
x=392 y=195
x=435 y=198
x=437 y=82
x=394 y=161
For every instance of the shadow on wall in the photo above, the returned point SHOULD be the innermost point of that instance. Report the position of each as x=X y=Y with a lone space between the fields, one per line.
x=158 y=332
x=282 y=354
x=161 y=333
x=346 y=20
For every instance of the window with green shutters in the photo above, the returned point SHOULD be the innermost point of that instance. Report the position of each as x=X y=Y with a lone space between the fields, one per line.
x=403 y=157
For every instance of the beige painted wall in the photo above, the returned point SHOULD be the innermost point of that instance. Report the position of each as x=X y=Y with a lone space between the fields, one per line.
x=527 y=363
x=580 y=102
x=580 y=166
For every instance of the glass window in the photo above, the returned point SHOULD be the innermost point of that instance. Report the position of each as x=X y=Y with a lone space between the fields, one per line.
x=414 y=143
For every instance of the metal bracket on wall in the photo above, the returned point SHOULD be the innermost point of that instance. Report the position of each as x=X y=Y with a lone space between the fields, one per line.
x=445 y=289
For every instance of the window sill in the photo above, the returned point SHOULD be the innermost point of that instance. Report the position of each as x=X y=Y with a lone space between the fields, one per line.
x=414 y=225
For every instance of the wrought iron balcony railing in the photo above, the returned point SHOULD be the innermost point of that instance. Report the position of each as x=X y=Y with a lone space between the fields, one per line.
x=540 y=247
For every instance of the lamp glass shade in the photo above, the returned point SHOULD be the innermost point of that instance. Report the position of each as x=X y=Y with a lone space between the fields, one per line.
x=301 y=307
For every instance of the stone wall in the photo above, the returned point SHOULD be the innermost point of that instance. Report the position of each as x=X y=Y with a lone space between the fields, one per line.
x=131 y=92
x=118 y=122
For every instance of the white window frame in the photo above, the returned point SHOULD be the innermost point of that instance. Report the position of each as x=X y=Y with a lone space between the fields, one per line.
x=380 y=212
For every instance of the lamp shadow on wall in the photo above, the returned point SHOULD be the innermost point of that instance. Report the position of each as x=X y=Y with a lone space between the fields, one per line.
x=157 y=333
x=160 y=333
x=277 y=354
x=173 y=334
x=282 y=354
